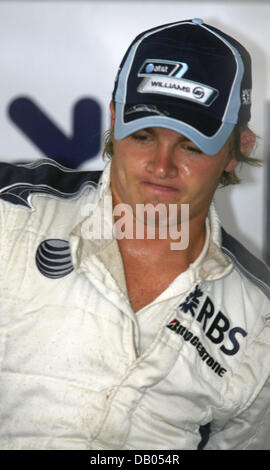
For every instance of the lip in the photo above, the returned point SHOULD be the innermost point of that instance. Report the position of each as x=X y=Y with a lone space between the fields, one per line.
x=159 y=188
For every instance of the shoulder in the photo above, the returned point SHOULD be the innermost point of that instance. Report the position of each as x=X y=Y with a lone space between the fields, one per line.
x=252 y=268
x=47 y=177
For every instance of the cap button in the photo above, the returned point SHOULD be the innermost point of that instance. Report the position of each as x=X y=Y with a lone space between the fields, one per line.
x=197 y=21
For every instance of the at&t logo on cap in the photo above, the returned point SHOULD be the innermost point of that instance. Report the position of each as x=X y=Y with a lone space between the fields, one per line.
x=162 y=67
x=167 y=77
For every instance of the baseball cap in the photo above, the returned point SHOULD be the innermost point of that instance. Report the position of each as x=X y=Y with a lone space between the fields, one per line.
x=186 y=76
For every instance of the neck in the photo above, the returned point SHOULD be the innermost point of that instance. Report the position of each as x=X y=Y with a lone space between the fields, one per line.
x=182 y=251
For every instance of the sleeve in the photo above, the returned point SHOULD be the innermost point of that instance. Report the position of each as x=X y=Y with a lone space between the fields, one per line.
x=250 y=430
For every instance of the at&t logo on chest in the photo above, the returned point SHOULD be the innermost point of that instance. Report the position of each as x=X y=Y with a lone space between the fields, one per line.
x=53 y=258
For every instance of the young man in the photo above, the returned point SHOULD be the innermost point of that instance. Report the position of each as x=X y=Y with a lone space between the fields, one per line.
x=112 y=342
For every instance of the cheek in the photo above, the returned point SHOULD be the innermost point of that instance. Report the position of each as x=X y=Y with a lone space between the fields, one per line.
x=127 y=155
x=195 y=168
x=124 y=169
x=186 y=169
x=120 y=159
x=200 y=174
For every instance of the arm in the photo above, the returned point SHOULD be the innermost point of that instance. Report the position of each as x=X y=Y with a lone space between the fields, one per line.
x=250 y=430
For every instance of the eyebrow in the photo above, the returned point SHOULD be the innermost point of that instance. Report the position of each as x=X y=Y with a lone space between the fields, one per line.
x=151 y=130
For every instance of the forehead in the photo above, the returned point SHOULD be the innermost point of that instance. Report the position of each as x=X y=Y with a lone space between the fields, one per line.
x=162 y=132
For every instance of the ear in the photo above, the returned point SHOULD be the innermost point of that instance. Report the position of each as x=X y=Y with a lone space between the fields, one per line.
x=247 y=141
x=232 y=164
x=112 y=113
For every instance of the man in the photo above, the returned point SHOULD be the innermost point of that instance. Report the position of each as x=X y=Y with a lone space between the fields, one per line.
x=124 y=342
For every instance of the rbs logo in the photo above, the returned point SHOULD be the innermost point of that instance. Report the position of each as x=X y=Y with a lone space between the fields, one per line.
x=218 y=327
x=215 y=325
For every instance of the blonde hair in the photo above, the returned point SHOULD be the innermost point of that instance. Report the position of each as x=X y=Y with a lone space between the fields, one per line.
x=235 y=149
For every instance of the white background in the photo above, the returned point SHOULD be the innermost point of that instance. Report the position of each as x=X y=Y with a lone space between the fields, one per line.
x=57 y=52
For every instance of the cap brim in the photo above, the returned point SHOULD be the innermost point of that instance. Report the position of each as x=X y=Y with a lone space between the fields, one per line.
x=209 y=145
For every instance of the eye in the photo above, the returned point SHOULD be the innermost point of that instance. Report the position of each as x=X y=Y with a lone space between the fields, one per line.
x=141 y=136
x=192 y=149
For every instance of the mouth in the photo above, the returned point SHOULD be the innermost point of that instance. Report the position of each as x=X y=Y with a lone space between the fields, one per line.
x=159 y=188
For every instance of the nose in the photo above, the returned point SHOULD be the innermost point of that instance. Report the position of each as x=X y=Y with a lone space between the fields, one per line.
x=161 y=163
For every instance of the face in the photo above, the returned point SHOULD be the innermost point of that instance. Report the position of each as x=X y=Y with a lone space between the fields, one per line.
x=159 y=165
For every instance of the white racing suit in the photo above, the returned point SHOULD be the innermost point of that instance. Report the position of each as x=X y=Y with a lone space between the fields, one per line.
x=79 y=370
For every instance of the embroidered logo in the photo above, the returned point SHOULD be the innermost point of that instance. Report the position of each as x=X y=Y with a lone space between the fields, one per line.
x=145 y=108
x=192 y=301
x=215 y=325
x=246 y=96
x=166 y=77
x=188 y=336
x=53 y=258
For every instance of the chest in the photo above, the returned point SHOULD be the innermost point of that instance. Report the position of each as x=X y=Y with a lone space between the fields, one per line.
x=141 y=292
x=145 y=282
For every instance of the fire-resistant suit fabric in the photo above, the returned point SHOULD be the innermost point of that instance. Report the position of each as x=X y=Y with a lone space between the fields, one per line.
x=79 y=370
